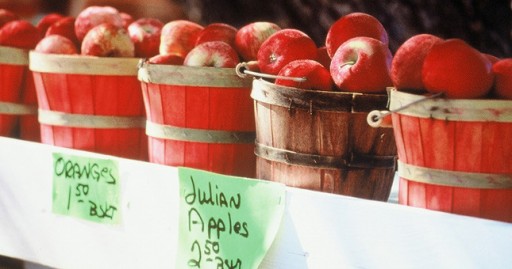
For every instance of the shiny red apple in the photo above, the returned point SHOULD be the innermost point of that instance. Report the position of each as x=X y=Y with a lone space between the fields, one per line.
x=217 y=32
x=19 y=34
x=458 y=70
x=408 y=62
x=283 y=47
x=362 y=64
x=47 y=20
x=354 y=25
x=315 y=75
x=64 y=27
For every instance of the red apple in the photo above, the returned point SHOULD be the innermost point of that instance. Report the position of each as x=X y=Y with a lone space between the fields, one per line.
x=213 y=54
x=170 y=59
x=354 y=25
x=179 y=36
x=502 y=70
x=408 y=62
x=96 y=15
x=283 y=47
x=145 y=34
x=56 y=44
x=127 y=19
x=19 y=34
x=108 y=40
x=249 y=38
x=7 y=16
x=47 y=20
x=457 y=69
x=323 y=57
x=64 y=27
x=361 y=64
x=217 y=32
x=317 y=76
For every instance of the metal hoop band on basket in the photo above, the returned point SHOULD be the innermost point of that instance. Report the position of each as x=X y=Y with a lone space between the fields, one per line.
x=355 y=160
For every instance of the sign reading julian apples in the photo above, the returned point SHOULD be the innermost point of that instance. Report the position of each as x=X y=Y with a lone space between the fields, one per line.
x=226 y=221
x=87 y=188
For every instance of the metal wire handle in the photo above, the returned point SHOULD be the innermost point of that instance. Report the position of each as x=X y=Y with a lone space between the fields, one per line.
x=375 y=117
x=242 y=70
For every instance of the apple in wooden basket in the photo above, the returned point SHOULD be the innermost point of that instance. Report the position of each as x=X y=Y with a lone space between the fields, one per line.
x=56 y=44
x=212 y=54
x=354 y=25
x=249 y=38
x=217 y=32
x=7 y=16
x=284 y=46
x=179 y=36
x=145 y=34
x=315 y=75
x=92 y=16
x=19 y=34
x=108 y=40
x=502 y=70
x=64 y=27
x=169 y=59
x=323 y=57
x=458 y=70
x=408 y=62
x=362 y=64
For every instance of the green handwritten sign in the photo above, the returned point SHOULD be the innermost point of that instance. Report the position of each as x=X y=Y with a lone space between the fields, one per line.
x=86 y=188
x=226 y=221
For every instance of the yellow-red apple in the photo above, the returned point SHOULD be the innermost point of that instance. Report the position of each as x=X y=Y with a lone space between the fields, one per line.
x=249 y=38
x=213 y=54
x=108 y=40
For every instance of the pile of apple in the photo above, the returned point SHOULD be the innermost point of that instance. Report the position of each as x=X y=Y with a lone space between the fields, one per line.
x=427 y=63
x=354 y=58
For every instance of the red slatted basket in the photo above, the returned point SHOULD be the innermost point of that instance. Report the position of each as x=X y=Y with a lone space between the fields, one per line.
x=18 y=107
x=455 y=155
x=90 y=103
x=199 y=117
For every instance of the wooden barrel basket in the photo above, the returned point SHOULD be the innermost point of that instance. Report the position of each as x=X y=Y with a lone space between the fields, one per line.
x=90 y=103
x=18 y=105
x=321 y=141
x=455 y=155
x=199 y=117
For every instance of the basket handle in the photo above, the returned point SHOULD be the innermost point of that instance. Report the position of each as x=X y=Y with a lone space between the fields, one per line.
x=243 y=69
x=376 y=117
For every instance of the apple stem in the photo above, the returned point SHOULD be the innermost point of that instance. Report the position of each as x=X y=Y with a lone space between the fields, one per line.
x=242 y=71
